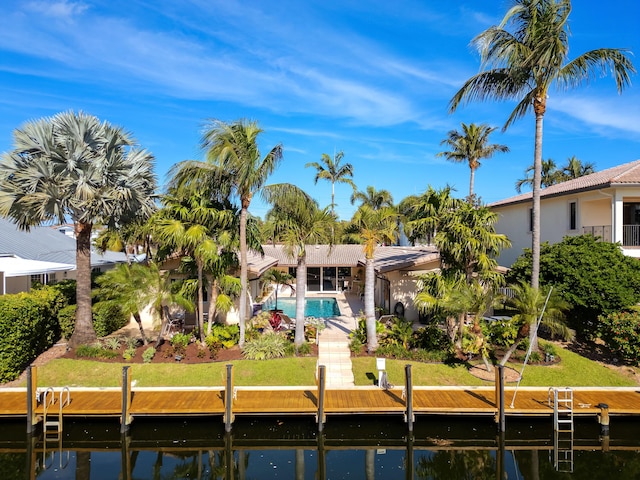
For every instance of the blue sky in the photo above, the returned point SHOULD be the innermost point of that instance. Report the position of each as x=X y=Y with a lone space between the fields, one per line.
x=370 y=78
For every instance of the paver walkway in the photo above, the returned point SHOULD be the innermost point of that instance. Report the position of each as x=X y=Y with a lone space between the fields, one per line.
x=333 y=348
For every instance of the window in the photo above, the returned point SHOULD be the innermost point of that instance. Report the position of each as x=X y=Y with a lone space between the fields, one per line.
x=572 y=215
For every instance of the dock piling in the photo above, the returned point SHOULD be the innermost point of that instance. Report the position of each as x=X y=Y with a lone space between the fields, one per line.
x=408 y=385
x=32 y=419
x=500 y=420
x=126 y=419
x=228 y=400
x=321 y=390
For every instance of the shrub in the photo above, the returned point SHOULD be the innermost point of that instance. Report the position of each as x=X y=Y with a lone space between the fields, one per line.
x=94 y=351
x=293 y=351
x=356 y=345
x=112 y=343
x=621 y=332
x=67 y=321
x=107 y=318
x=595 y=278
x=28 y=326
x=148 y=355
x=226 y=335
x=430 y=337
x=179 y=343
x=129 y=353
x=265 y=347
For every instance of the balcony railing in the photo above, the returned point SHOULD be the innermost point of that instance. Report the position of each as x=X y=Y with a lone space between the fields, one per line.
x=630 y=234
x=602 y=232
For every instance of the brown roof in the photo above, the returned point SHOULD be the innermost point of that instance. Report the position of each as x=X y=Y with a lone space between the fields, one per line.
x=625 y=174
x=386 y=258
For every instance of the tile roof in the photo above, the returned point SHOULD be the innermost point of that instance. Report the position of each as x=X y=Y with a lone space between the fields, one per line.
x=47 y=244
x=386 y=258
x=625 y=174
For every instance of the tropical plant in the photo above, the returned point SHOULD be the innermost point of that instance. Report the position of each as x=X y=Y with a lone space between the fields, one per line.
x=470 y=146
x=298 y=222
x=374 y=227
x=148 y=354
x=530 y=304
x=233 y=148
x=73 y=167
x=330 y=169
x=191 y=224
x=424 y=213
x=372 y=198
x=280 y=278
x=549 y=175
x=576 y=169
x=265 y=347
x=523 y=62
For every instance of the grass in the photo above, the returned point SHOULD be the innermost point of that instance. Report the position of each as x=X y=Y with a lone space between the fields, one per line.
x=573 y=370
x=88 y=373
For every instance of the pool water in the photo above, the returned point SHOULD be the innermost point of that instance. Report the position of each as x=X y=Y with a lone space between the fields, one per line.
x=314 y=307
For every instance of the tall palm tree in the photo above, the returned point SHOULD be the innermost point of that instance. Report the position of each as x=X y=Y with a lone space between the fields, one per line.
x=298 y=222
x=74 y=167
x=471 y=145
x=374 y=199
x=374 y=227
x=576 y=169
x=233 y=147
x=549 y=175
x=330 y=169
x=524 y=62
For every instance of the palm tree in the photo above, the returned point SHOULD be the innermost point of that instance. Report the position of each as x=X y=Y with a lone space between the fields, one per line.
x=424 y=213
x=470 y=146
x=233 y=147
x=298 y=222
x=374 y=199
x=278 y=277
x=330 y=169
x=576 y=169
x=549 y=175
x=191 y=224
x=529 y=303
x=522 y=64
x=374 y=227
x=74 y=167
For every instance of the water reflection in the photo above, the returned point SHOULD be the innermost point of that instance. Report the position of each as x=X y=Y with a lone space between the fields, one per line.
x=352 y=448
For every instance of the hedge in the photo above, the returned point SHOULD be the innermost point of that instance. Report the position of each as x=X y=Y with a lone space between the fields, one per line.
x=28 y=327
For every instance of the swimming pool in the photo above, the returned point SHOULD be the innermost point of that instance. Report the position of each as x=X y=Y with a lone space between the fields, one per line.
x=314 y=306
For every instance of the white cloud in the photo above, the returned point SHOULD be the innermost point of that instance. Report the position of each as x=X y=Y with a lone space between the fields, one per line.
x=63 y=9
x=613 y=113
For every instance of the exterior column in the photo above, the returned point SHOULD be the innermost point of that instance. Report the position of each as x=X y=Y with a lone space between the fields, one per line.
x=617 y=216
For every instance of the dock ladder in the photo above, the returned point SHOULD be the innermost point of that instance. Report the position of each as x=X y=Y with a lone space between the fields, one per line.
x=562 y=399
x=52 y=423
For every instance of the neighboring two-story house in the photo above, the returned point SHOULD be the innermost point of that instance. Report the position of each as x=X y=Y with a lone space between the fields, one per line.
x=605 y=204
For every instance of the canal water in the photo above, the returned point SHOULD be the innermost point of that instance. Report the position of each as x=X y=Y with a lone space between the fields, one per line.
x=348 y=448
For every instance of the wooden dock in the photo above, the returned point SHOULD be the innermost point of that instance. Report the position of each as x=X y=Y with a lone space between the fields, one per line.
x=127 y=403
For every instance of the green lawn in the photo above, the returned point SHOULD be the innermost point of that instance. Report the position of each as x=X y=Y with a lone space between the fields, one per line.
x=573 y=370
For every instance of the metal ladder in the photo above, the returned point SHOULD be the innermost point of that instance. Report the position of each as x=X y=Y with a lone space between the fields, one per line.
x=562 y=428
x=52 y=426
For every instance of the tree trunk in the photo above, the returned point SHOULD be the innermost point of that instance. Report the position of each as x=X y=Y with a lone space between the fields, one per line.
x=213 y=298
x=200 y=303
x=242 y=308
x=535 y=228
x=301 y=284
x=369 y=306
x=84 y=332
x=138 y=319
x=471 y=181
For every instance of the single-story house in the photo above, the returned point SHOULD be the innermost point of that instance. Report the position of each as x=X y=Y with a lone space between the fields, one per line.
x=341 y=268
x=605 y=204
x=43 y=254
